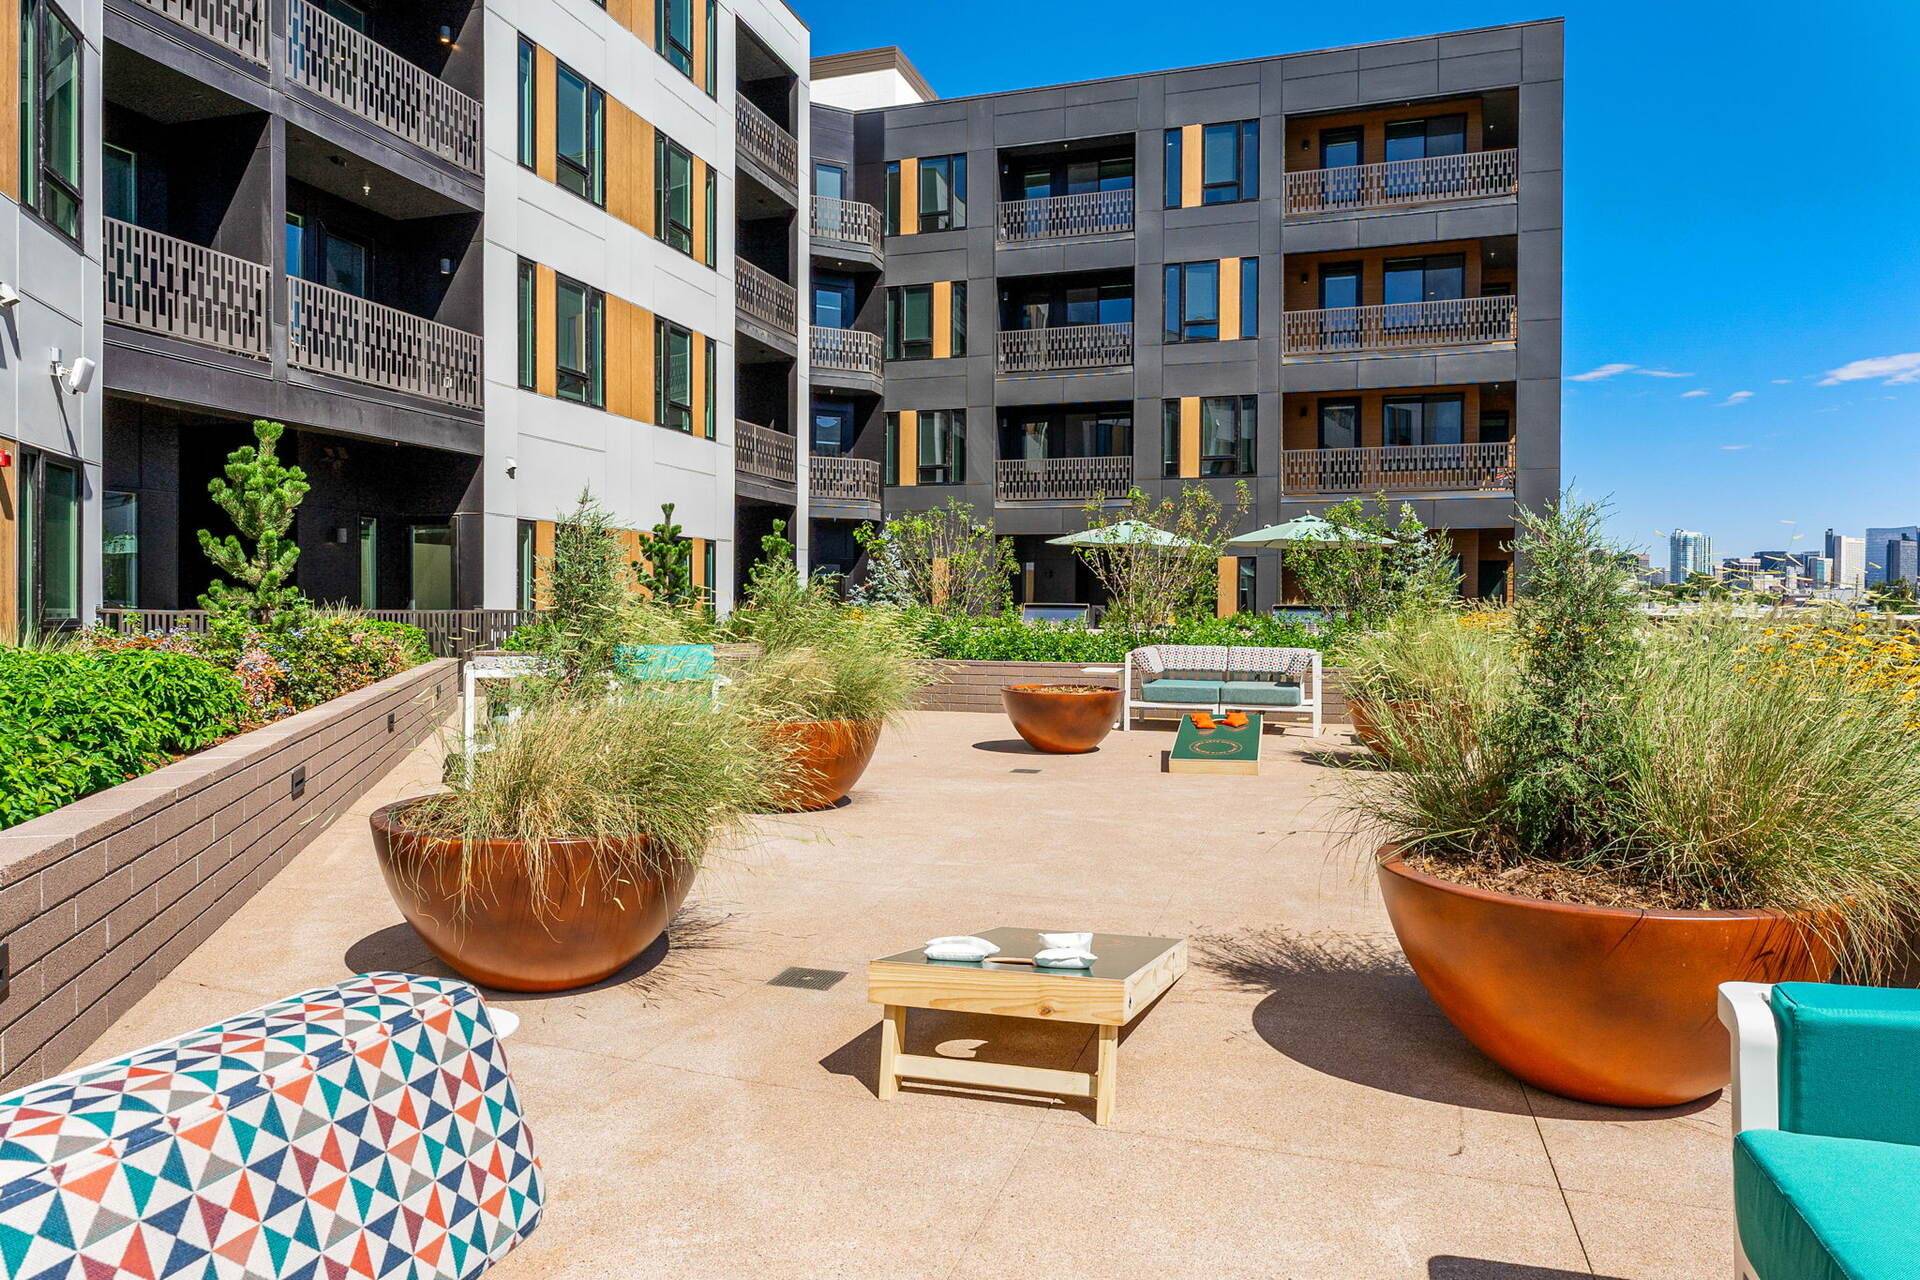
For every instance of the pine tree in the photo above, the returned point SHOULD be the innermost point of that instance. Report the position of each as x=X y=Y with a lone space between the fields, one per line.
x=667 y=572
x=260 y=494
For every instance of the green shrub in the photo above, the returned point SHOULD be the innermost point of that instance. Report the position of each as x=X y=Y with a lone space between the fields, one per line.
x=76 y=721
x=1006 y=638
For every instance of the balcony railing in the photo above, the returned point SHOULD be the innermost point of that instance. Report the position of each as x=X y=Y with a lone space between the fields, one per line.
x=336 y=333
x=848 y=221
x=766 y=143
x=846 y=351
x=1062 y=479
x=1401 y=326
x=1065 y=347
x=1400 y=468
x=763 y=298
x=764 y=452
x=1075 y=217
x=843 y=479
x=1475 y=175
x=184 y=290
x=331 y=59
x=240 y=25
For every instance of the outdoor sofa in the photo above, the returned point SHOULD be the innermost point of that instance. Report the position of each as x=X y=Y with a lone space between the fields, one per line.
x=1826 y=1124
x=1222 y=678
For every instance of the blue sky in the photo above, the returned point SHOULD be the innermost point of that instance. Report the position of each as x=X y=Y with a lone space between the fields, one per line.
x=1743 y=207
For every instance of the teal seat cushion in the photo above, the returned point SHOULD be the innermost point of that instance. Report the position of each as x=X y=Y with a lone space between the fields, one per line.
x=1818 y=1208
x=1849 y=1061
x=1261 y=693
x=1199 y=691
x=1212 y=675
x=663 y=661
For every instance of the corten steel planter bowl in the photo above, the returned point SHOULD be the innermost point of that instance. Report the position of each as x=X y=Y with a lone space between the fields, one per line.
x=1367 y=726
x=1062 y=723
x=827 y=757
x=591 y=930
x=1605 y=1004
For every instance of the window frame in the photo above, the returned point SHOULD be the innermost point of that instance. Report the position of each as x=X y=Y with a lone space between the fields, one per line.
x=592 y=176
x=1245 y=412
x=129 y=501
x=526 y=105
x=665 y=41
x=55 y=197
x=897 y=344
x=1179 y=324
x=1249 y=297
x=1427 y=402
x=667 y=230
x=585 y=384
x=928 y=220
x=1320 y=408
x=943 y=426
x=675 y=415
x=526 y=323
x=132 y=213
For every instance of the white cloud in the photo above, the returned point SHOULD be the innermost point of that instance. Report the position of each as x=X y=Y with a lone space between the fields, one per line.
x=1602 y=371
x=1783 y=382
x=1738 y=397
x=1697 y=391
x=1735 y=448
x=1891 y=370
x=1661 y=373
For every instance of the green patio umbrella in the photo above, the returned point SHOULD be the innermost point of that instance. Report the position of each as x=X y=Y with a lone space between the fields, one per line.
x=1305 y=529
x=1122 y=533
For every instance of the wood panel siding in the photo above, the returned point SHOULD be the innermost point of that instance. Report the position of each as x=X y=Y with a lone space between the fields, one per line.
x=943 y=319
x=1303 y=134
x=9 y=121
x=546 y=331
x=1189 y=437
x=701 y=407
x=1192 y=153
x=630 y=373
x=703 y=229
x=1230 y=300
x=1226 y=593
x=546 y=115
x=909 y=197
x=907 y=447
x=542 y=561
x=630 y=178
x=701 y=54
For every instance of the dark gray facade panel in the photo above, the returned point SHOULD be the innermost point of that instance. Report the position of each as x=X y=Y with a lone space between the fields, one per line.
x=1407 y=80
x=1479 y=71
x=1397 y=53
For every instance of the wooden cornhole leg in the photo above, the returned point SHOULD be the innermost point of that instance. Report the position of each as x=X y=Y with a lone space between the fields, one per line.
x=896 y=1066
x=1106 y=1071
x=893 y=1034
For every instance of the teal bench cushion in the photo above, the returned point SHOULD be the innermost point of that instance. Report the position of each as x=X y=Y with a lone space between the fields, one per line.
x=1818 y=1208
x=1211 y=675
x=1849 y=1061
x=663 y=661
x=1200 y=691
x=1262 y=693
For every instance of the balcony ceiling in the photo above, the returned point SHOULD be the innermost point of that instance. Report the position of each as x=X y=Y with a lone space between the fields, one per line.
x=319 y=163
x=161 y=93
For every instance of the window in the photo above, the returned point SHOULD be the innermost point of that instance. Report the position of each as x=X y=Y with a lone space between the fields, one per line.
x=673 y=353
x=1339 y=285
x=911 y=321
x=1418 y=139
x=1421 y=420
x=529 y=94
x=713 y=196
x=1226 y=435
x=1104 y=431
x=674 y=34
x=673 y=179
x=119 y=183
x=1425 y=279
x=49 y=530
x=369 y=563
x=830 y=181
x=832 y=300
x=431 y=566
x=1193 y=302
x=706 y=406
x=1246 y=581
x=50 y=103
x=526 y=565
x=296 y=246
x=1339 y=424
x=833 y=427
x=525 y=312
x=580 y=345
x=1229 y=163
x=120 y=549
x=1496 y=426
x=580 y=135
x=940 y=195
x=344 y=263
x=1226 y=429
x=1249 y=298
x=1340 y=148
x=943 y=446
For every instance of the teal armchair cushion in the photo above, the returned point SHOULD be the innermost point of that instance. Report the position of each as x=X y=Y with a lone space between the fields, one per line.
x=1849 y=1061
x=1261 y=693
x=1818 y=1208
x=1199 y=691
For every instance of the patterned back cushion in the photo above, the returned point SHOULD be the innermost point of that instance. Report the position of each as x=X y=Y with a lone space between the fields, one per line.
x=1280 y=666
x=367 y=1129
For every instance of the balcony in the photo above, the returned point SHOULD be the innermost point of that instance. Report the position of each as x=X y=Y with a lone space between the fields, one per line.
x=1062 y=479
x=842 y=479
x=846 y=351
x=1395 y=184
x=1086 y=215
x=239 y=25
x=766 y=143
x=1401 y=326
x=1404 y=468
x=1072 y=348
x=847 y=222
x=170 y=286
x=339 y=334
x=765 y=453
x=333 y=61
x=766 y=300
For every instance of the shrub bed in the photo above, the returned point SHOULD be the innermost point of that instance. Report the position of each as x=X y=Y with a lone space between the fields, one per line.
x=76 y=721
x=1006 y=638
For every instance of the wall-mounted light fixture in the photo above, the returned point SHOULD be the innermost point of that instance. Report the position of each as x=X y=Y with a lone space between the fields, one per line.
x=76 y=377
x=513 y=468
x=446 y=266
x=446 y=36
x=9 y=297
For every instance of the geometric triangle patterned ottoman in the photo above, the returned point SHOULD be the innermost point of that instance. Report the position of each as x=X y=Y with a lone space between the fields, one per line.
x=367 y=1129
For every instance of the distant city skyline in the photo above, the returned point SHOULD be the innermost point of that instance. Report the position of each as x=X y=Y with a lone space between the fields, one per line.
x=1860 y=556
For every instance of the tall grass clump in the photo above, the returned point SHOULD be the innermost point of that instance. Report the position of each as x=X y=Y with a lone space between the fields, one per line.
x=653 y=778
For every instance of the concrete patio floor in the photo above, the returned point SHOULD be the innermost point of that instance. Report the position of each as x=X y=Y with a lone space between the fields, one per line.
x=1295 y=1107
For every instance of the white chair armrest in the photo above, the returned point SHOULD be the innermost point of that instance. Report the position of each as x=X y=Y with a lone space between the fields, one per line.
x=505 y=1021
x=1748 y=1015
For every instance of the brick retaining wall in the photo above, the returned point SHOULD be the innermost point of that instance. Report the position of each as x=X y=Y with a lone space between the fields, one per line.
x=101 y=899
x=970 y=685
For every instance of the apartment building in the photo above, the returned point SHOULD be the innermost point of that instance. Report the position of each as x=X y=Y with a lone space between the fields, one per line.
x=1323 y=275
x=305 y=210
x=482 y=255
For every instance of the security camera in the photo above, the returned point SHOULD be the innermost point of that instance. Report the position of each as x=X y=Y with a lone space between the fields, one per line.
x=9 y=297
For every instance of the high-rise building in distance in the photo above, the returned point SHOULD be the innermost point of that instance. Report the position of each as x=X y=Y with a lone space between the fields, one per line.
x=1688 y=552
x=1849 y=557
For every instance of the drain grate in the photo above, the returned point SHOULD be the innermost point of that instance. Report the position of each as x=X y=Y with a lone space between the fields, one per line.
x=806 y=979
x=1023 y=771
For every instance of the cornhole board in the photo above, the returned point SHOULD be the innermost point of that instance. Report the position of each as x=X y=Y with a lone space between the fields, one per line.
x=1221 y=749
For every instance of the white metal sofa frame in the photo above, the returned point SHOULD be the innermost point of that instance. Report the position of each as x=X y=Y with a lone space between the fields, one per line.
x=1311 y=686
